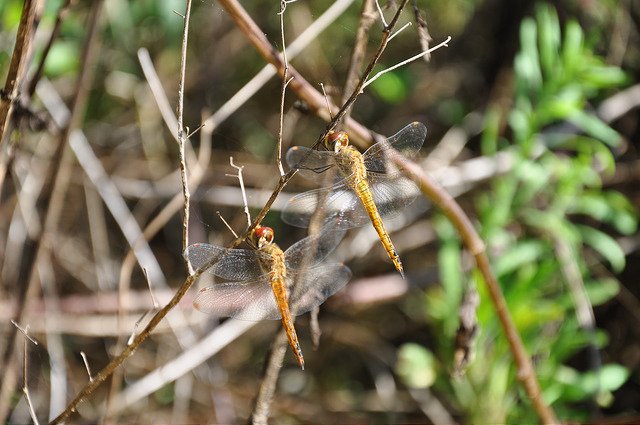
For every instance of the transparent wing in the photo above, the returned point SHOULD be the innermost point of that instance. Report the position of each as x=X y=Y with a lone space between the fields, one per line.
x=334 y=201
x=391 y=194
x=407 y=141
x=252 y=301
x=314 y=286
x=309 y=162
x=310 y=251
x=229 y=264
x=255 y=301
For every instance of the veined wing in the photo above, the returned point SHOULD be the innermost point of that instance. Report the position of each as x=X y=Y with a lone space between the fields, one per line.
x=333 y=201
x=391 y=194
x=309 y=162
x=311 y=250
x=255 y=301
x=252 y=300
x=229 y=264
x=407 y=141
x=315 y=285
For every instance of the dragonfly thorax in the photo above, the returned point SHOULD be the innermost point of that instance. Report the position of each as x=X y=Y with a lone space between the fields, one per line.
x=336 y=141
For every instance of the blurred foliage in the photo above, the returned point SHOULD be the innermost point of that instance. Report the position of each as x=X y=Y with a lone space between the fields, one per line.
x=552 y=198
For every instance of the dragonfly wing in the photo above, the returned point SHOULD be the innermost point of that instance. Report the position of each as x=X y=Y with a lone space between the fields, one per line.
x=309 y=162
x=315 y=285
x=334 y=201
x=391 y=193
x=407 y=141
x=313 y=249
x=251 y=301
x=229 y=264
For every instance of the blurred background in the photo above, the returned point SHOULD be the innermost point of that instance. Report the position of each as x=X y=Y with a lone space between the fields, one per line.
x=533 y=125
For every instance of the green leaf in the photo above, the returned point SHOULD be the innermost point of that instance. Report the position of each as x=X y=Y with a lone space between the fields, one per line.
x=416 y=366
x=549 y=39
x=604 y=76
x=605 y=245
x=595 y=127
x=572 y=50
x=612 y=376
x=522 y=253
x=527 y=63
x=390 y=87
x=602 y=290
x=62 y=58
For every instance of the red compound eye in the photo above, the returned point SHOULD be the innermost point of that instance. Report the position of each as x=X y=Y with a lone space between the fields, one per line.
x=264 y=233
x=337 y=140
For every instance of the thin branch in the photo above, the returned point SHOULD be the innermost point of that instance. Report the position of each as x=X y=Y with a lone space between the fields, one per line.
x=453 y=211
x=233 y=232
x=60 y=174
x=285 y=83
x=244 y=193
x=25 y=388
x=326 y=101
x=367 y=18
x=62 y=14
x=298 y=45
x=181 y=135
x=423 y=31
x=86 y=365
x=18 y=64
x=402 y=28
x=262 y=406
x=384 y=22
x=404 y=62
x=299 y=84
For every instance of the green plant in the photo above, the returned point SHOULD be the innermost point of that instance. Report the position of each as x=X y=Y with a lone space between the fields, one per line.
x=547 y=225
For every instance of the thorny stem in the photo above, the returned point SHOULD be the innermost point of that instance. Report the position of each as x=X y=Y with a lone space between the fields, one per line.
x=181 y=135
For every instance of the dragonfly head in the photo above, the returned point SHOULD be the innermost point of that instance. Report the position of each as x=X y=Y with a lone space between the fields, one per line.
x=263 y=236
x=336 y=140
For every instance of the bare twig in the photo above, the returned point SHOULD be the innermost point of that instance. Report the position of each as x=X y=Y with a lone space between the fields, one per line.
x=17 y=66
x=423 y=32
x=267 y=388
x=299 y=85
x=453 y=211
x=406 y=61
x=384 y=22
x=25 y=387
x=367 y=18
x=233 y=232
x=62 y=14
x=244 y=193
x=60 y=175
x=181 y=135
x=298 y=45
x=86 y=365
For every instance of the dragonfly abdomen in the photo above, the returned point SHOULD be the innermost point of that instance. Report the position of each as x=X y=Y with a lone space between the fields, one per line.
x=280 y=291
x=363 y=190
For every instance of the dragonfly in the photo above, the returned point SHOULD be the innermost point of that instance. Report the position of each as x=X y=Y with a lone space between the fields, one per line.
x=267 y=283
x=368 y=186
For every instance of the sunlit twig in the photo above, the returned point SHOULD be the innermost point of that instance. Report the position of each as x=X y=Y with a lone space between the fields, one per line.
x=404 y=62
